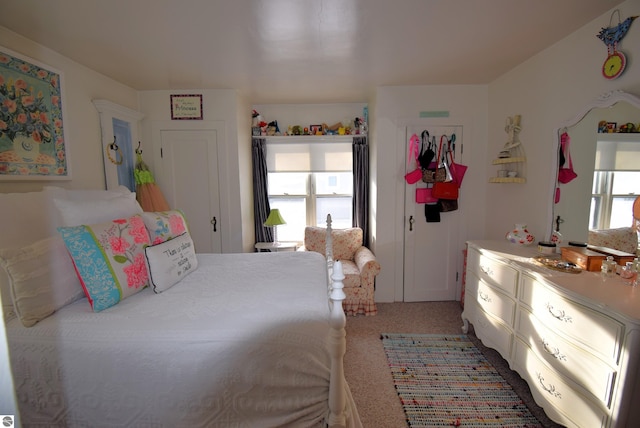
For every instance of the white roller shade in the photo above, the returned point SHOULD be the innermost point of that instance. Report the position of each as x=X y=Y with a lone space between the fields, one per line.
x=309 y=156
x=620 y=152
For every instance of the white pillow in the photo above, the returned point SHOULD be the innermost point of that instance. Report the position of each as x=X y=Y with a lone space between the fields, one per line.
x=31 y=216
x=75 y=213
x=169 y=262
x=24 y=219
x=86 y=194
x=42 y=279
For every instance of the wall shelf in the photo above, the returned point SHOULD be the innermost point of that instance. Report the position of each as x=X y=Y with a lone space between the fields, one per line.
x=507 y=180
x=501 y=161
x=282 y=139
x=515 y=161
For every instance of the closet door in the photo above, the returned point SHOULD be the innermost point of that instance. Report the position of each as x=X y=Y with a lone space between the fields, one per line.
x=190 y=168
x=432 y=257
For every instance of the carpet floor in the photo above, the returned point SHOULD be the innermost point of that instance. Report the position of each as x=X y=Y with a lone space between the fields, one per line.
x=445 y=380
x=367 y=369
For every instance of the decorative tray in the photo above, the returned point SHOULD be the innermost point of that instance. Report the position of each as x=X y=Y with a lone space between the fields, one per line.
x=556 y=264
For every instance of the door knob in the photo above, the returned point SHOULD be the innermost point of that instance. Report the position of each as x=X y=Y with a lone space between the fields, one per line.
x=214 y=222
x=411 y=220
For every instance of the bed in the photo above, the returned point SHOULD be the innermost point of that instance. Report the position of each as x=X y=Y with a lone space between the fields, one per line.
x=236 y=340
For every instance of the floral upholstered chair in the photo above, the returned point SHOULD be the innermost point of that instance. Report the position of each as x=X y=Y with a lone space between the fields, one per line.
x=359 y=265
x=621 y=239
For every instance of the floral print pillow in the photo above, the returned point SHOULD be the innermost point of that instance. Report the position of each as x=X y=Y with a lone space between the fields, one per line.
x=109 y=259
x=164 y=225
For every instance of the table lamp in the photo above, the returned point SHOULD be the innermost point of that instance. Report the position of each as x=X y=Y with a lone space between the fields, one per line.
x=274 y=220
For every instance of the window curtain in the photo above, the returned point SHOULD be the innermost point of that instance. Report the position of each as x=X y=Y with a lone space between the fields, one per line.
x=360 y=207
x=261 y=206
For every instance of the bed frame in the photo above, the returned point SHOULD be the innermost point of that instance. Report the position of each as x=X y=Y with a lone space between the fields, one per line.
x=338 y=340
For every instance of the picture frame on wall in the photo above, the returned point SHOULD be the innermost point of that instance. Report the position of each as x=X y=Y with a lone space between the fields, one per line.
x=33 y=145
x=186 y=107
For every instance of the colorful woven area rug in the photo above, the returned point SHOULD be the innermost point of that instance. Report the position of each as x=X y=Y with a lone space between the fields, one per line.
x=444 y=380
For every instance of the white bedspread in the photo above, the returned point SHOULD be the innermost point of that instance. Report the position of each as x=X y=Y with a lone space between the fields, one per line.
x=242 y=341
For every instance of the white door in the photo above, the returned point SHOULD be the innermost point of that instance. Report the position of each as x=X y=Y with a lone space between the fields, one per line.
x=431 y=254
x=190 y=165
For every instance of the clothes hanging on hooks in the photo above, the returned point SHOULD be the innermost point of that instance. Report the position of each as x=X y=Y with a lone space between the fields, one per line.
x=148 y=194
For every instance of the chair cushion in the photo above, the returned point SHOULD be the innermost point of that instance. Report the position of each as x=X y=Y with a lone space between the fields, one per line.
x=351 y=274
x=345 y=241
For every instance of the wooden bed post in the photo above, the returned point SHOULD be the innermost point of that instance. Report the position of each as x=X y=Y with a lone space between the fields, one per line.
x=337 y=339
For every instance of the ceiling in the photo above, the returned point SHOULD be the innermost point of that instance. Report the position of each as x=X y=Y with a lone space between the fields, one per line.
x=299 y=51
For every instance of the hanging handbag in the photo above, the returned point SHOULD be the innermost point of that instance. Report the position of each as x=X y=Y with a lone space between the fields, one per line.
x=437 y=171
x=457 y=170
x=424 y=195
x=414 y=150
x=448 y=205
x=445 y=189
x=565 y=174
x=426 y=151
x=432 y=213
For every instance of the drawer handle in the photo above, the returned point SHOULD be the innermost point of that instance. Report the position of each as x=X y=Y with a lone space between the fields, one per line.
x=554 y=352
x=486 y=270
x=550 y=389
x=484 y=296
x=558 y=313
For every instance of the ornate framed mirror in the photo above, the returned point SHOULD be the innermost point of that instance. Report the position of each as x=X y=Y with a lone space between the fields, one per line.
x=577 y=204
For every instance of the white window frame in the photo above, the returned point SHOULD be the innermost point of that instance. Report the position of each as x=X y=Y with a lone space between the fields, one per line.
x=311 y=196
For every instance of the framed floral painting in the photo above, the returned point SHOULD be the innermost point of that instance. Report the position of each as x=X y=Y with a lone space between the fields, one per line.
x=32 y=142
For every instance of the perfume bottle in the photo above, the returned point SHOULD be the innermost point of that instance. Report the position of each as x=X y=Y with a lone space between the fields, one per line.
x=608 y=269
x=629 y=273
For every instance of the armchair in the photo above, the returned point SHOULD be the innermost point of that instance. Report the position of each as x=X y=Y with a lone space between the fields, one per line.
x=359 y=265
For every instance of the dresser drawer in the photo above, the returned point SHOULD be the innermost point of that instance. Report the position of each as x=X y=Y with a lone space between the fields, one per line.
x=493 y=271
x=571 y=405
x=492 y=332
x=593 y=330
x=491 y=300
x=582 y=367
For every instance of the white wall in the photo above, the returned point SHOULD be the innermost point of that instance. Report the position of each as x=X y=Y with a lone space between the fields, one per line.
x=218 y=106
x=81 y=120
x=547 y=90
x=396 y=107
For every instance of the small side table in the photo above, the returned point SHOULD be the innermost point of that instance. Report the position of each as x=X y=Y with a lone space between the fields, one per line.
x=280 y=246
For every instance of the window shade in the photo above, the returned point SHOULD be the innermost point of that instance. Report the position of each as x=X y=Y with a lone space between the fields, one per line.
x=618 y=155
x=311 y=156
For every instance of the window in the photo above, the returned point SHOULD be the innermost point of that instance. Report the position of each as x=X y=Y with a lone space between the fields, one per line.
x=616 y=182
x=307 y=181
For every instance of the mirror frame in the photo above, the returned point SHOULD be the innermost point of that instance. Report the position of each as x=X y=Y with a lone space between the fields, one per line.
x=605 y=100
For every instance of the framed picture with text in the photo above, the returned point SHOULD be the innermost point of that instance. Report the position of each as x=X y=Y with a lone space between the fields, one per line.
x=32 y=138
x=186 y=107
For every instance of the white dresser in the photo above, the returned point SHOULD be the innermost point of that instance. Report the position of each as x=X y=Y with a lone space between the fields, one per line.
x=575 y=338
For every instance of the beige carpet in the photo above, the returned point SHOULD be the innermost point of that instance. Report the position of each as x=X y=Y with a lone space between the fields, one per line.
x=366 y=367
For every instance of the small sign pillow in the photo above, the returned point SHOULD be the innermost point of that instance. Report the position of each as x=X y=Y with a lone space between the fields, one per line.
x=164 y=225
x=170 y=261
x=109 y=259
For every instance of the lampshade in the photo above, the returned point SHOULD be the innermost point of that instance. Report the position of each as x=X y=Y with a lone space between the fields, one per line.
x=274 y=219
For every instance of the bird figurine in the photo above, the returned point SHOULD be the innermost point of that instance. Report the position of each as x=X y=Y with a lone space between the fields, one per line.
x=612 y=35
